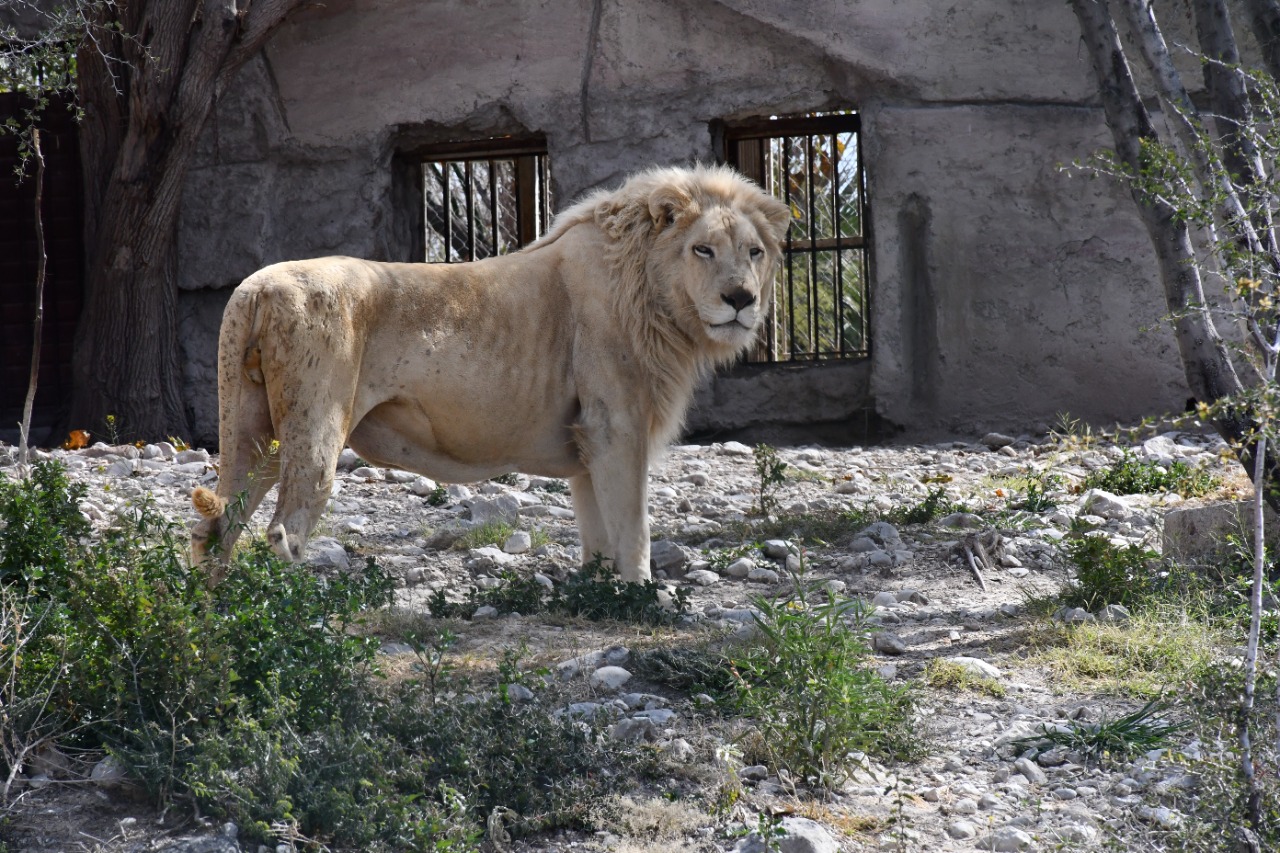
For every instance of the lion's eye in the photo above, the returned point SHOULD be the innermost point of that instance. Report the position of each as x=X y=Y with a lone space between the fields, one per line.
x=703 y=252
x=756 y=252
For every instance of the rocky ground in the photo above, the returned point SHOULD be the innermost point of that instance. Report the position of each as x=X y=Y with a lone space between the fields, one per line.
x=973 y=791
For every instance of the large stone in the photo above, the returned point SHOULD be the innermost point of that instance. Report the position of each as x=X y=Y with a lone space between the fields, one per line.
x=1201 y=534
x=667 y=556
x=798 y=835
x=1102 y=503
x=502 y=508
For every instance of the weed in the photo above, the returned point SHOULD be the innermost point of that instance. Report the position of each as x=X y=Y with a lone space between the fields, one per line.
x=1038 y=487
x=1140 y=731
x=808 y=686
x=1108 y=574
x=950 y=676
x=490 y=533
x=720 y=559
x=1129 y=475
x=595 y=592
x=934 y=505
x=1072 y=432
x=508 y=479
x=771 y=472
x=255 y=701
x=695 y=670
x=554 y=487
x=1158 y=649
x=438 y=496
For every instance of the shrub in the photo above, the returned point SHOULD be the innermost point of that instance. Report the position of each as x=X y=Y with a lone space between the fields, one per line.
x=594 y=592
x=809 y=686
x=1129 y=475
x=1108 y=574
x=255 y=701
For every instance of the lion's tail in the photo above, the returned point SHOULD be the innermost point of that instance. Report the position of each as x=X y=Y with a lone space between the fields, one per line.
x=207 y=503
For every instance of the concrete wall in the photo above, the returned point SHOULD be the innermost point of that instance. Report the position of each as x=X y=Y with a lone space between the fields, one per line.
x=1005 y=290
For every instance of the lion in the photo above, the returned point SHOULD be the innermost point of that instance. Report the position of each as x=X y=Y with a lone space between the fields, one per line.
x=575 y=357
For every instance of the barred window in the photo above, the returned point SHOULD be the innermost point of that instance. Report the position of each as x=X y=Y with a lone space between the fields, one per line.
x=814 y=164
x=484 y=198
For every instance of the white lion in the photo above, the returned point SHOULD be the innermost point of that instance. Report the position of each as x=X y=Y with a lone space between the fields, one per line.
x=575 y=357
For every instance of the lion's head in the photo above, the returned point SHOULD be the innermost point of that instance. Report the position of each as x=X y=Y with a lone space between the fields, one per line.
x=708 y=242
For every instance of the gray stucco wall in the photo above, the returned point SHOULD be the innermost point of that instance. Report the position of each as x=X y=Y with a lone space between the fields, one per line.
x=1005 y=290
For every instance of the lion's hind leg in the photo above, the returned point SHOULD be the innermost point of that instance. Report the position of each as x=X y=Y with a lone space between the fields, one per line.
x=307 y=468
x=248 y=464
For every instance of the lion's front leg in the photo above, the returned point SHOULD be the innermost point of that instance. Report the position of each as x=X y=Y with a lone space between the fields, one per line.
x=619 y=476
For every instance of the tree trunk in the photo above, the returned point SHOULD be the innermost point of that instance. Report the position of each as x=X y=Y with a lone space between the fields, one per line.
x=148 y=76
x=1206 y=360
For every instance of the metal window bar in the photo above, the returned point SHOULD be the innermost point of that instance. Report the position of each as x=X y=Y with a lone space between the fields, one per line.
x=818 y=157
x=479 y=206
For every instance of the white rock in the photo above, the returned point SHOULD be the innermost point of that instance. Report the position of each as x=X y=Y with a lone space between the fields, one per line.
x=1103 y=503
x=368 y=474
x=1008 y=839
x=123 y=468
x=776 y=548
x=734 y=448
x=702 y=577
x=1029 y=769
x=977 y=666
x=762 y=575
x=962 y=829
x=740 y=567
x=501 y=508
x=328 y=553
x=518 y=543
x=1114 y=613
x=422 y=486
x=609 y=677
x=485 y=611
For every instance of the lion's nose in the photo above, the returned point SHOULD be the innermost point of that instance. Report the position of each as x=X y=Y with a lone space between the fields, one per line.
x=739 y=298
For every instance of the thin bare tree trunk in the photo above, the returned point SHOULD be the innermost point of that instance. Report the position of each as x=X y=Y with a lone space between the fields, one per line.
x=1210 y=373
x=37 y=332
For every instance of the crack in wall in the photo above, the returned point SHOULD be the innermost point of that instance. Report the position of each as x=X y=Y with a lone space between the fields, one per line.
x=584 y=89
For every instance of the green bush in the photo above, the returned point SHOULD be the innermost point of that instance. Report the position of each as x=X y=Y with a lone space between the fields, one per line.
x=594 y=592
x=1108 y=574
x=809 y=686
x=421 y=766
x=1129 y=475
x=41 y=524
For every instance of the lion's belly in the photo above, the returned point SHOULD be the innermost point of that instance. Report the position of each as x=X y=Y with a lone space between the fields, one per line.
x=466 y=434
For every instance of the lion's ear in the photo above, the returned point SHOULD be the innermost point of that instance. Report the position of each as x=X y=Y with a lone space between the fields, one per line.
x=777 y=214
x=669 y=204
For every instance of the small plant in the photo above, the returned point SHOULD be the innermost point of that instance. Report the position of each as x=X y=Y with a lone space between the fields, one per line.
x=771 y=472
x=1072 y=432
x=438 y=496
x=594 y=592
x=935 y=504
x=1140 y=731
x=951 y=676
x=490 y=533
x=815 y=699
x=554 y=487
x=1038 y=487
x=720 y=559
x=508 y=479
x=1129 y=475
x=1108 y=574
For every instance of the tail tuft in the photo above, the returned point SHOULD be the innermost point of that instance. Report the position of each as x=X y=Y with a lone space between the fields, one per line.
x=207 y=503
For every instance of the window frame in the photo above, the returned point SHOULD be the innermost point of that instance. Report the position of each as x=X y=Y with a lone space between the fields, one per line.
x=532 y=188
x=732 y=140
